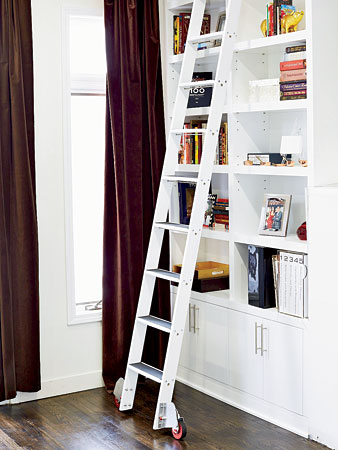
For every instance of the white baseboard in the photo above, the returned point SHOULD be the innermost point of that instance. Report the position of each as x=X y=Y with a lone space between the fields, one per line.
x=264 y=410
x=61 y=386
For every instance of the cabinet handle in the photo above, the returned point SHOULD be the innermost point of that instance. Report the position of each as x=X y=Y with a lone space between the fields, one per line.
x=190 y=308
x=262 y=340
x=256 y=339
x=196 y=318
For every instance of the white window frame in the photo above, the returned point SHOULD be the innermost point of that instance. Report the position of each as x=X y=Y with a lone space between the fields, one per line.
x=79 y=85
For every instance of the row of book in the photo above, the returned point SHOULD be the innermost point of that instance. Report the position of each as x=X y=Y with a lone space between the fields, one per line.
x=278 y=279
x=192 y=144
x=275 y=12
x=293 y=73
x=181 y=26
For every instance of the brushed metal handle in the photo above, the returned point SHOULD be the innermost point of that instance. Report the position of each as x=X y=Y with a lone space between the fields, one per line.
x=190 y=307
x=262 y=340
x=256 y=339
x=197 y=318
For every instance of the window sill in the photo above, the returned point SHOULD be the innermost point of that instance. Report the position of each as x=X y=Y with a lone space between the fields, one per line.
x=83 y=316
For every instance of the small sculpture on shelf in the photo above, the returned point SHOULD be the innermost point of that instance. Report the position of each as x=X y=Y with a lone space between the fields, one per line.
x=289 y=22
x=303 y=162
x=264 y=28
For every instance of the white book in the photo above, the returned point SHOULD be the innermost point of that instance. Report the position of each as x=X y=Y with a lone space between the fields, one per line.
x=294 y=56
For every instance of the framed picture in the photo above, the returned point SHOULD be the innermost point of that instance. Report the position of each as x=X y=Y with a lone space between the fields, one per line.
x=220 y=27
x=275 y=214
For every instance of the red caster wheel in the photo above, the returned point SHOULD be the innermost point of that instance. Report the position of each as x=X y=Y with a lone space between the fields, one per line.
x=180 y=431
x=117 y=402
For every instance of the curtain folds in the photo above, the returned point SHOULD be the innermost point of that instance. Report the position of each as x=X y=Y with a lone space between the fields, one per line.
x=135 y=148
x=19 y=298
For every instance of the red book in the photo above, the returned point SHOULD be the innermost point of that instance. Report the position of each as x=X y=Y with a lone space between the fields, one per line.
x=293 y=75
x=293 y=65
x=271 y=26
x=184 y=26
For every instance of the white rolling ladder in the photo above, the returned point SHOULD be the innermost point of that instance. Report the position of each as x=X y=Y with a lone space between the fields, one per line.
x=166 y=415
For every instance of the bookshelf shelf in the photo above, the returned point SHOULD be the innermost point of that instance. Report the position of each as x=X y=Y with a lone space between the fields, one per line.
x=272 y=43
x=207 y=56
x=185 y=5
x=273 y=171
x=290 y=243
x=288 y=105
x=216 y=234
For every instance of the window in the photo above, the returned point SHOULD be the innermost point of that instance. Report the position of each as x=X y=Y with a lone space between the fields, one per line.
x=85 y=104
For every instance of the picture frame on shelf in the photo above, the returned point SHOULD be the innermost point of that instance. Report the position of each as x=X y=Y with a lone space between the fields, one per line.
x=275 y=214
x=220 y=27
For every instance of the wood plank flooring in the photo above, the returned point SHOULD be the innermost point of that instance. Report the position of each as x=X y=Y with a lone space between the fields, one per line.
x=90 y=421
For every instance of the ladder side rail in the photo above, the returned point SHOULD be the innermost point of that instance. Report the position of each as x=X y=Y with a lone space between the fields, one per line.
x=196 y=221
x=161 y=209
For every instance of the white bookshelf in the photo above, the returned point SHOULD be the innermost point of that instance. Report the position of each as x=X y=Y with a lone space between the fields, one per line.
x=258 y=127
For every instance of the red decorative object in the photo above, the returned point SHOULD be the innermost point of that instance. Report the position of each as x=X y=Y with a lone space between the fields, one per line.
x=301 y=232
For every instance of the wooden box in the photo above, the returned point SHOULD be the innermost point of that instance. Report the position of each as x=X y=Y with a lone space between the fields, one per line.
x=207 y=269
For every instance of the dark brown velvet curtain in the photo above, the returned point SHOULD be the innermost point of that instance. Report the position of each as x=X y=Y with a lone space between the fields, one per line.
x=19 y=299
x=135 y=147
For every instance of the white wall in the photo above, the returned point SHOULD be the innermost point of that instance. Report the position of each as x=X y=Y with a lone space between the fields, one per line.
x=70 y=355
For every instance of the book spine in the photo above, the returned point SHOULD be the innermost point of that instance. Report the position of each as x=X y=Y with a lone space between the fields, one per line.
x=192 y=148
x=175 y=42
x=294 y=56
x=187 y=146
x=296 y=48
x=271 y=25
x=196 y=148
x=199 y=148
x=291 y=93
x=223 y=146
x=180 y=33
x=293 y=65
x=185 y=27
x=285 y=87
x=293 y=75
x=220 y=154
x=293 y=97
x=226 y=142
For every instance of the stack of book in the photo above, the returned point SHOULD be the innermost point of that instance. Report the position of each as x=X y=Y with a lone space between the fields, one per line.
x=181 y=25
x=275 y=11
x=192 y=144
x=293 y=73
x=221 y=214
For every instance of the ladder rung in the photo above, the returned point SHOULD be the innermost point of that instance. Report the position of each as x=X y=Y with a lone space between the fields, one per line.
x=193 y=84
x=155 y=322
x=175 y=227
x=190 y=131
x=207 y=37
x=164 y=274
x=178 y=178
x=147 y=371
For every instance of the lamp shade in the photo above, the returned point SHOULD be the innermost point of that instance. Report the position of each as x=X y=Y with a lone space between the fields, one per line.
x=291 y=144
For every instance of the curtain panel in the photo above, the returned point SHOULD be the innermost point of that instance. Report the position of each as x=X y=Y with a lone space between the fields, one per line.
x=19 y=288
x=135 y=148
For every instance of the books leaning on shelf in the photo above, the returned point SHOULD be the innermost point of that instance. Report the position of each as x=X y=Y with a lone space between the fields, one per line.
x=293 y=74
x=180 y=30
x=292 y=283
x=278 y=278
x=192 y=144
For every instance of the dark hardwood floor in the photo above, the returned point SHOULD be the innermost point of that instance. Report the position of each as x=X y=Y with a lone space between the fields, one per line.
x=90 y=421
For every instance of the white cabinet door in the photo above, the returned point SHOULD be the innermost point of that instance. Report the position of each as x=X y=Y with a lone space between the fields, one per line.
x=245 y=363
x=205 y=346
x=283 y=365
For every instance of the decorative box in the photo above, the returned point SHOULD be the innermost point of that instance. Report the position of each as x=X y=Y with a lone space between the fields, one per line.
x=209 y=276
x=261 y=91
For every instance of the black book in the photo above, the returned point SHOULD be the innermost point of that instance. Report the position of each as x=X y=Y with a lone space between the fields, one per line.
x=261 y=292
x=200 y=96
x=276 y=6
